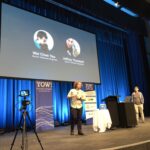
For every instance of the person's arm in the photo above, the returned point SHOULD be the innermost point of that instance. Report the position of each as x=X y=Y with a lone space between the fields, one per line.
x=142 y=98
x=132 y=97
x=71 y=94
x=83 y=96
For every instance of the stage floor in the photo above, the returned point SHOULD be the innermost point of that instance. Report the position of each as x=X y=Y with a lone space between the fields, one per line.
x=60 y=138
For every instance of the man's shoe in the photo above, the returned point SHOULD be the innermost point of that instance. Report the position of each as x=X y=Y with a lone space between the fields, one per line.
x=80 y=133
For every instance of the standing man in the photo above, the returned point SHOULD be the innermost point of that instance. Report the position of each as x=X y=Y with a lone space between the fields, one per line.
x=138 y=100
x=76 y=95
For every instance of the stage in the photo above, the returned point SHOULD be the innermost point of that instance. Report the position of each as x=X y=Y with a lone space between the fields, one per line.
x=60 y=139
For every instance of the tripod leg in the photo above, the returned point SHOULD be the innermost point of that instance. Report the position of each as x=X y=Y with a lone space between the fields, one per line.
x=24 y=133
x=35 y=131
x=26 y=140
x=16 y=132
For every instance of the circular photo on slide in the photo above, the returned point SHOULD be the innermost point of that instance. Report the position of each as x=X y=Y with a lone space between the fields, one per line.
x=72 y=47
x=43 y=40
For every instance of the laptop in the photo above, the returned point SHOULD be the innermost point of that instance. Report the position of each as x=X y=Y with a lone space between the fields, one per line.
x=128 y=99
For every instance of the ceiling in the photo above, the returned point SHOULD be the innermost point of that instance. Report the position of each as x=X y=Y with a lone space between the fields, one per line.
x=141 y=7
x=106 y=12
x=101 y=10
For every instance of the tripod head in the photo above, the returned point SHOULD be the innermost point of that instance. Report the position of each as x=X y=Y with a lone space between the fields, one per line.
x=24 y=103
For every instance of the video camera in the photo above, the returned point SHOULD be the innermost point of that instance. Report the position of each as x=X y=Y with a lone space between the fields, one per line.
x=24 y=94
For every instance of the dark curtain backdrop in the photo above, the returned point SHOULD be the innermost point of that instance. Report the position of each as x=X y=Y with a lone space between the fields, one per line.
x=116 y=64
x=10 y=101
x=138 y=69
x=113 y=68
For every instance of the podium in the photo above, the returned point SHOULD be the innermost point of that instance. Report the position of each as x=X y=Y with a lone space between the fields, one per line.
x=127 y=115
x=112 y=106
x=122 y=114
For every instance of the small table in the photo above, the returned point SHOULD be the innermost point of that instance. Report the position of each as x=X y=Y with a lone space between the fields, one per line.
x=101 y=120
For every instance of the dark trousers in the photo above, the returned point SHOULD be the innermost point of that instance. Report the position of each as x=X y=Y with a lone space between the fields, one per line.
x=76 y=116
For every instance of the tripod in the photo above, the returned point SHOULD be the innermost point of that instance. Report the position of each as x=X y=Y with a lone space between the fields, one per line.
x=24 y=145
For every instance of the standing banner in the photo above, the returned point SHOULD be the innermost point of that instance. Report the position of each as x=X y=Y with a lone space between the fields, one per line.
x=90 y=103
x=44 y=106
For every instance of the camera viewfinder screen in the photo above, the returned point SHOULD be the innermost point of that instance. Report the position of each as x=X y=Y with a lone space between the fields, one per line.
x=24 y=93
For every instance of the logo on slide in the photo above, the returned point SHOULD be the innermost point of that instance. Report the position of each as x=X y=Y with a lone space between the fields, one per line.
x=43 y=40
x=72 y=47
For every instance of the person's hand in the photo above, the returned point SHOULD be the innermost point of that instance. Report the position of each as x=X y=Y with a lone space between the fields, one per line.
x=82 y=97
x=73 y=95
x=78 y=97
